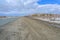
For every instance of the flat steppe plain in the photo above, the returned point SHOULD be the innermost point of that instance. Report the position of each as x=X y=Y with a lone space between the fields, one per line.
x=25 y=28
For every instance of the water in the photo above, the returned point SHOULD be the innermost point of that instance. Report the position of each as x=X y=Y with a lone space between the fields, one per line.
x=6 y=20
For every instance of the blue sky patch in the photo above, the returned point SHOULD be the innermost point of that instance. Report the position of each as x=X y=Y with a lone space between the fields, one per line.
x=49 y=2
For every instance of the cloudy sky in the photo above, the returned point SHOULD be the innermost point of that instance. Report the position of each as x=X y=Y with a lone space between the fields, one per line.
x=27 y=7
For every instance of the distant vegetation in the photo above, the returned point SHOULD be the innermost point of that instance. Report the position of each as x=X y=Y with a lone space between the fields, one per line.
x=2 y=16
x=47 y=15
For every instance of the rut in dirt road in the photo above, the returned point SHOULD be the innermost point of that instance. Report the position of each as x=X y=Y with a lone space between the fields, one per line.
x=29 y=29
x=16 y=30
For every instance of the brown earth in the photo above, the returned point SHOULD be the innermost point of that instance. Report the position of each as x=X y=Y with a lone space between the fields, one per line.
x=26 y=28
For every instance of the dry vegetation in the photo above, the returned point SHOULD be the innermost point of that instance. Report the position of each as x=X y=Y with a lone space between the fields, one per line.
x=46 y=15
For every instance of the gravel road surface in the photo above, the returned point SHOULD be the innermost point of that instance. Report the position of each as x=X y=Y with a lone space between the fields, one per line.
x=26 y=28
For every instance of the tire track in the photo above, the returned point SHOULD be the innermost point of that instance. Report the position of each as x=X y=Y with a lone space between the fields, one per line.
x=35 y=32
x=43 y=30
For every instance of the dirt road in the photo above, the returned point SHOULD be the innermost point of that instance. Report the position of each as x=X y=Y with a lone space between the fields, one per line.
x=28 y=29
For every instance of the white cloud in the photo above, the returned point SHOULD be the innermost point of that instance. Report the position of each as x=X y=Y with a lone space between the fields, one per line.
x=26 y=2
x=48 y=8
x=30 y=7
x=22 y=6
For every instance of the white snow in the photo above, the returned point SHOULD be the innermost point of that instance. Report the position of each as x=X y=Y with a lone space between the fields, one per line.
x=52 y=20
